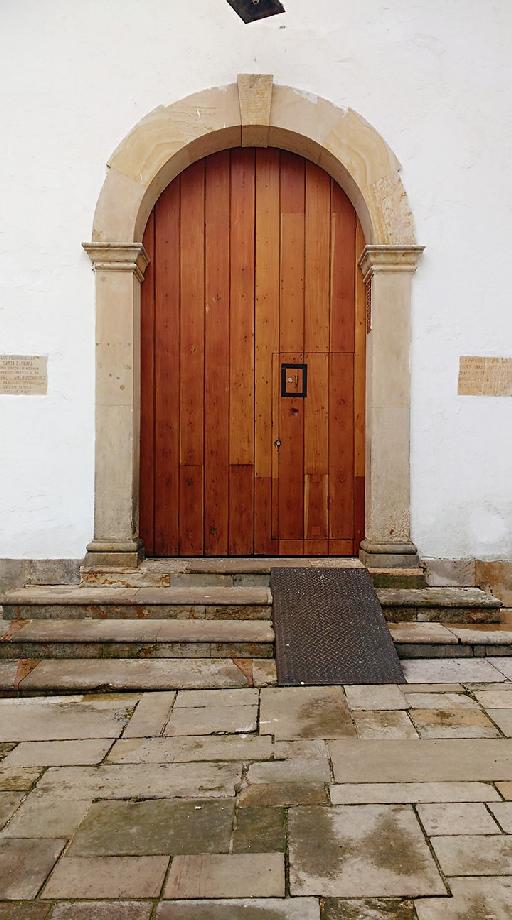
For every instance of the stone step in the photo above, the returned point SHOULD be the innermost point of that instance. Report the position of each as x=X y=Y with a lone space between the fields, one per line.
x=142 y=579
x=19 y=677
x=398 y=578
x=94 y=638
x=246 y=565
x=442 y=605
x=193 y=602
x=456 y=640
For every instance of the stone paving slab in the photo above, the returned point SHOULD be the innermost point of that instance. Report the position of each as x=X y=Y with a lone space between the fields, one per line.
x=383 y=696
x=474 y=899
x=270 y=794
x=360 y=851
x=502 y=811
x=474 y=855
x=154 y=827
x=108 y=877
x=47 y=720
x=381 y=724
x=151 y=715
x=396 y=793
x=9 y=802
x=455 y=819
x=298 y=770
x=101 y=910
x=27 y=910
x=436 y=700
x=448 y=670
x=24 y=865
x=256 y=909
x=194 y=699
x=494 y=699
x=422 y=760
x=43 y=815
x=212 y=720
x=134 y=674
x=304 y=712
x=118 y=781
x=504 y=665
x=368 y=909
x=15 y=778
x=454 y=723
x=188 y=748
x=259 y=830
x=242 y=875
x=58 y=753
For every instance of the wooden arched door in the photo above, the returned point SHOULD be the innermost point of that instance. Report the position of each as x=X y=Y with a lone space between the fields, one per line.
x=253 y=341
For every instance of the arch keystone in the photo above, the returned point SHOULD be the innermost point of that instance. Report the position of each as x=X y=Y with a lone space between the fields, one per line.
x=255 y=97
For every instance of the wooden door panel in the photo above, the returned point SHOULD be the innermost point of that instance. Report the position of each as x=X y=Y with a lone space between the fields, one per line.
x=252 y=265
x=341 y=446
x=217 y=356
x=290 y=454
x=167 y=372
x=266 y=312
x=147 y=397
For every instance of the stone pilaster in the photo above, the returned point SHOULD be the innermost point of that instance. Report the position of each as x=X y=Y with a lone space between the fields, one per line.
x=119 y=270
x=388 y=270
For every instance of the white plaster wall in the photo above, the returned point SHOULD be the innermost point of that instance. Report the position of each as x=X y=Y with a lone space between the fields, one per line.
x=434 y=77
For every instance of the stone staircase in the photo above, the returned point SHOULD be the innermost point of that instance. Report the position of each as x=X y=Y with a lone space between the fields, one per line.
x=192 y=623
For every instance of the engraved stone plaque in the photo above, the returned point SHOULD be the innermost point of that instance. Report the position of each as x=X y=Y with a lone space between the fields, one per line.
x=481 y=376
x=23 y=375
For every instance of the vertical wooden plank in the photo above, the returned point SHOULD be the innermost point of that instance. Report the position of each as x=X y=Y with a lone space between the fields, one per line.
x=341 y=446
x=192 y=359
x=359 y=393
x=342 y=271
x=241 y=503
x=191 y=510
x=316 y=447
x=167 y=398
x=216 y=390
x=291 y=319
x=241 y=411
x=147 y=371
x=266 y=337
x=290 y=458
x=317 y=263
x=290 y=411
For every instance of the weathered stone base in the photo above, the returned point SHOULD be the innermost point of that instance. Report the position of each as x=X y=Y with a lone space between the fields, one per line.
x=127 y=555
x=389 y=555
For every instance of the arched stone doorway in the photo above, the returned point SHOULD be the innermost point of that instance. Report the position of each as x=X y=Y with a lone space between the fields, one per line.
x=252 y=112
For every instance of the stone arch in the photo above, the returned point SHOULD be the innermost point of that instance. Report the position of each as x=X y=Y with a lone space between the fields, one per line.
x=252 y=112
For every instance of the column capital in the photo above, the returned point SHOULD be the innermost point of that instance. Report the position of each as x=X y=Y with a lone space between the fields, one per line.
x=118 y=257
x=389 y=259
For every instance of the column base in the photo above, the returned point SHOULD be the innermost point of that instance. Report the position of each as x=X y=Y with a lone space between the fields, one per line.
x=115 y=555
x=389 y=555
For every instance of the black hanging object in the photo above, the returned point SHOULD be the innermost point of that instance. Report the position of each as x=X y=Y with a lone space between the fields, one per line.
x=251 y=10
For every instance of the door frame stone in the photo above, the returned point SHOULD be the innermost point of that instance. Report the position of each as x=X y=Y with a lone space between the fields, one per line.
x=254 y=111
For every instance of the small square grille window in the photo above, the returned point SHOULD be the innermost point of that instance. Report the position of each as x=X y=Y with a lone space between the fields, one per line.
x=251 y=10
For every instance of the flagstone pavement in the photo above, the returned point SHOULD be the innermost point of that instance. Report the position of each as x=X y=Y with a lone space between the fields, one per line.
x=308 y=803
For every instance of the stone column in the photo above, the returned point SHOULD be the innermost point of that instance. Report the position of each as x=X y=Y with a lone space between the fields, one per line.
x=119 y=269
x=388 y=270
